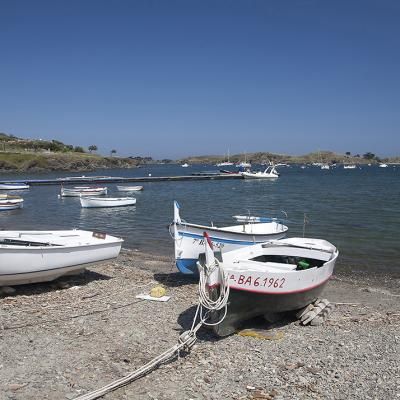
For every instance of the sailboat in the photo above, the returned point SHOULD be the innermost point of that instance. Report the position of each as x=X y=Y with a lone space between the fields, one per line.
x=244 y=164
x=225 y=163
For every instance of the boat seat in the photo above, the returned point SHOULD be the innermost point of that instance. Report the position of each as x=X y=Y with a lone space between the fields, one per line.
x=269 y=266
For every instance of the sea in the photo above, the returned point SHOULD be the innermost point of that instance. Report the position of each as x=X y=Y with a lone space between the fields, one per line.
x=358 y=210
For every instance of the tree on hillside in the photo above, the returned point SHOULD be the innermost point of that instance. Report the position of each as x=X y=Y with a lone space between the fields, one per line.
x=113 y=151
x=92 y=147
x=369 y=156
x=79 y=149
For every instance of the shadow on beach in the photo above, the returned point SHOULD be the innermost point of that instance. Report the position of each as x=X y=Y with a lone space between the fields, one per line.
x=63 y=282
x=175 y=279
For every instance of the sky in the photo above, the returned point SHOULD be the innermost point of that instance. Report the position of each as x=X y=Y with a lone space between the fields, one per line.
x=175 y=78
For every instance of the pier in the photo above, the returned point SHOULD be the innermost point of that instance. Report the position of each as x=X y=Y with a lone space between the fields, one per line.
x=119 y=179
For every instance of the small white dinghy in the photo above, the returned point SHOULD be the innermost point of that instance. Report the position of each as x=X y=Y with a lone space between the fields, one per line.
x=273 y=277
x=79 y=191
x=92 y=202
x=189 y=241
x=13 y=186
x=9 y=202
x=129 y=188
x=41 y=256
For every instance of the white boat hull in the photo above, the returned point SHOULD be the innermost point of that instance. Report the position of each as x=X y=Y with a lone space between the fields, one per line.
x=6 y=186
x=83 y=192
x=73 y=251
x=189 y=241
x=129 y=188
x=89 y=202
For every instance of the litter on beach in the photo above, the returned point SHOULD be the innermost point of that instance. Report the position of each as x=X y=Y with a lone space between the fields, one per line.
x=148 y=297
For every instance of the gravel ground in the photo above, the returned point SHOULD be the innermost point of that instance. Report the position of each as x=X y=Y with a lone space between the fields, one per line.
x=63 y=339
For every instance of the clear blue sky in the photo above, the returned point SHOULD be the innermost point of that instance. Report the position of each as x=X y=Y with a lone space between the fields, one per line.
x=169 y=79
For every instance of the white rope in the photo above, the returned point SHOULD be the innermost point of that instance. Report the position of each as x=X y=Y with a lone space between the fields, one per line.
x=205 y=301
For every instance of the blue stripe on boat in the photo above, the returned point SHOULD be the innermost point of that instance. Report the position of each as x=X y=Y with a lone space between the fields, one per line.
x=219 y=240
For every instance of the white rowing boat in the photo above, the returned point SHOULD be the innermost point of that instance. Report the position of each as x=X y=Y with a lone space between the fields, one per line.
x=129 y=188
x=96 y=202
x=9 y=202
x=13 y=186
x=79 y=191
x=41 y=256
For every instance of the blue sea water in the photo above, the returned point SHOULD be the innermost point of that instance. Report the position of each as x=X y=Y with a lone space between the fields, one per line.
x=357 y=210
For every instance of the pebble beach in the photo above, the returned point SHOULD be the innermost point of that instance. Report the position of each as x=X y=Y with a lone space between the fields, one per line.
x=62 y=339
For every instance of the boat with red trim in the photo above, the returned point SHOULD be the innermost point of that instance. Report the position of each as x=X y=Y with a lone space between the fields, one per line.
x=273 y=277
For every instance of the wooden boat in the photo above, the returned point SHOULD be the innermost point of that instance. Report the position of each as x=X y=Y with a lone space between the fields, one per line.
x=269 y=173
x=13 y=186
x=264 y=279
x=189 y=241
x=129 y=188
x=9 y=202
x=51 y=254
x=79 y=191
x=96 y=202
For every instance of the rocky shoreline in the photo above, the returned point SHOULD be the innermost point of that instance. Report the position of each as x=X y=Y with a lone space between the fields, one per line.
x=63 y=339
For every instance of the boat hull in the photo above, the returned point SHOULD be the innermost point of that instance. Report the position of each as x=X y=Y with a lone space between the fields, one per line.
x=107 y=202
x=30 y=264
x=189 y=242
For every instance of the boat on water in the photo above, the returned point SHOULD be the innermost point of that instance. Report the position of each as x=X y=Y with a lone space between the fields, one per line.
x=350 y=166
x=10 y=202
x=79 y=191
x=269 y=173
x=96 y=202
x=189 y=242
x=325 y=166
x=383 y=165
x=13 y=186
x=129 y=188
x=185 y=165
x=269 y=278
x=225 y=163
x=42 y=256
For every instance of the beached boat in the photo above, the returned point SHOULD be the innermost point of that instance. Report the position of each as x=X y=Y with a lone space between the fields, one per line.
x=265 y=279
x=13 y=186
x=269 y=173
x=189 y=241
x=96 y=202
x=9 y=202
x=129 y=188
x=79 y=191
x=41 y=256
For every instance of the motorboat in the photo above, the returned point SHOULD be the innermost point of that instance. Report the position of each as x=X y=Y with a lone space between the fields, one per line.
x=9 y=202
x=189 y=242
x=96 y=202
x=129 y=188
x=262 y=280
x=185 y=165
x=269 y=173
x=13 y=186
x=325 y=166
x=243 y=164
x=79 y=191
x=349 y=166
x=383 y=165
x=42 y=256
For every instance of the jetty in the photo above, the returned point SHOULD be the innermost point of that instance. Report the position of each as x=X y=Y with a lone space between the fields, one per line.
x=118 y=179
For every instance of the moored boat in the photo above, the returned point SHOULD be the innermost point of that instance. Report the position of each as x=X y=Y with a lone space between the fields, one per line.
x=269 y=173
x=13 y=186
x=9 y=202
x=269 y=278
x=51 y=254
x=189 y=242
x=96 y=202
x=79 y=191
x=129 y=188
